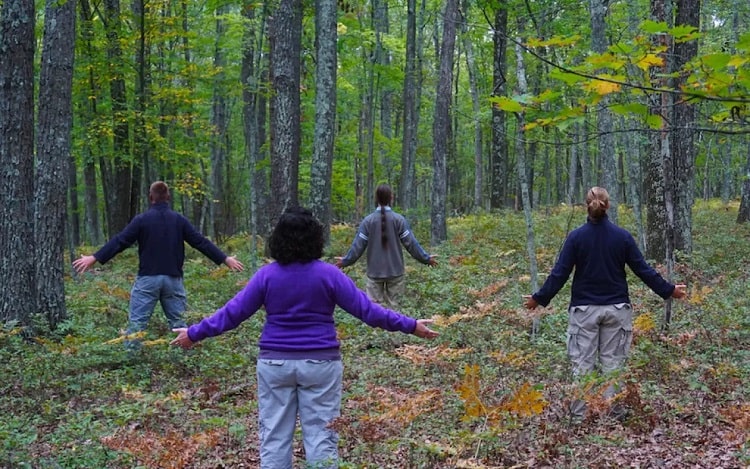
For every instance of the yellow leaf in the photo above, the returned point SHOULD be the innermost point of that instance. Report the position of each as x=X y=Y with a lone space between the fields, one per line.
x=650 y=60
x=526 y=401
x=602 y=87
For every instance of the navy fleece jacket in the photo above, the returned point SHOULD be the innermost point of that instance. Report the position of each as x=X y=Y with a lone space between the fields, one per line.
x=599 y=252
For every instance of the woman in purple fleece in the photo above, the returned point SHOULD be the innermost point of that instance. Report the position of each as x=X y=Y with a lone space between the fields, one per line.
x=299 y=366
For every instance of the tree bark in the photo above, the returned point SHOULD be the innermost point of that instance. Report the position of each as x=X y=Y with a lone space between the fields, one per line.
x=220 y=213
x=17 y=161
x=684 y=149
x=407 y=190
x=285 y=31
x=53 y=157
x=325 y=112
x=117 y=174
x=604 y=124
x=476 y=107
x=441 y=128
x=499 y=154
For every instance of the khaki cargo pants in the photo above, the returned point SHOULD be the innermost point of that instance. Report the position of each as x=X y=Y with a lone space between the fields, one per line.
x=386 y=292
x=599 y=338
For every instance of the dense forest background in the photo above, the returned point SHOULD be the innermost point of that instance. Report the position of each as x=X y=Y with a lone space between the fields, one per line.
x=462 y=106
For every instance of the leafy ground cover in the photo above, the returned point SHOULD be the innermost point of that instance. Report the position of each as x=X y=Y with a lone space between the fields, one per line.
x=482 y=395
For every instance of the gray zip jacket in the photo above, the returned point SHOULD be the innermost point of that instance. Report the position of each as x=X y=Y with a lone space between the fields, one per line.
x=384 y=261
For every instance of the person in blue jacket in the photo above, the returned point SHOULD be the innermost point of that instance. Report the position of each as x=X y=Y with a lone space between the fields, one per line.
x=600 y=317
x=161 y=234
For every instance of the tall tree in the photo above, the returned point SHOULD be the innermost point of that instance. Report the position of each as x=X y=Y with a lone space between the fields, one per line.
x=604 y=121
x=253 y=73
x=476 y=107
x=325 y=111
x=220 y=214
x=683 y=141
x=117 y=173
x=499 y=154
x=407 y=189
x=441 y=126
x=53 y=155
x=17 y=160
x=285 y=31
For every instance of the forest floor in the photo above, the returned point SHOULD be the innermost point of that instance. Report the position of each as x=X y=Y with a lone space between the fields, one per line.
x=484 y=394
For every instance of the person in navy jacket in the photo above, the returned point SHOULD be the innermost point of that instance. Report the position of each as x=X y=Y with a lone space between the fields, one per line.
x=161 y=234
x=600 y=317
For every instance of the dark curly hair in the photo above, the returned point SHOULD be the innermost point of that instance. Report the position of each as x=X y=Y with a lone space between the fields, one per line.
x=297 y=237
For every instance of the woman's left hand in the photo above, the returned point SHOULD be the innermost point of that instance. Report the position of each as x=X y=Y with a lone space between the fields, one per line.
x=423 y=331
x=182 y=340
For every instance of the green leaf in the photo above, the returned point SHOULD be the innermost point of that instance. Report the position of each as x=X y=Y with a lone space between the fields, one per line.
x=652 y=27
x=654 y=121
x=630 y=108
x=566 y=77
x=506 y=104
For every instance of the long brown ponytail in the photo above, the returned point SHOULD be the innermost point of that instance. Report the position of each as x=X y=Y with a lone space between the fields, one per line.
x=383 y=197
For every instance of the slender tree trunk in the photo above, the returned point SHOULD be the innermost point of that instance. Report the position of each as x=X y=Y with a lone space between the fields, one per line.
x=523 y=176
x=285 y=31
x=407 y=190
x=17 y=161
x=117 y=175
x=471 y=68
x=325 y=111
x=499 y=154
x=220 y=211
x=442 y=125
x=254 y=112
x=53 y=150
x=605 y=127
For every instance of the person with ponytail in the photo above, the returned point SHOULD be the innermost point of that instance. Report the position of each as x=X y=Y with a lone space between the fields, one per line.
x=382 y=234
x=600 y=317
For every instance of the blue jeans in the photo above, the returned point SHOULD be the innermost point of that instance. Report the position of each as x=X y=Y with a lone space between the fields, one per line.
x=311 y=388
x=147 y=290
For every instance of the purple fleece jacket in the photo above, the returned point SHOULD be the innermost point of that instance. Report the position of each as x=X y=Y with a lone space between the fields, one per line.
x=299 y=300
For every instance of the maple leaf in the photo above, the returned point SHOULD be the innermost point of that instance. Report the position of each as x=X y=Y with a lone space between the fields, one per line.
x=648 y=61
x=526 y=401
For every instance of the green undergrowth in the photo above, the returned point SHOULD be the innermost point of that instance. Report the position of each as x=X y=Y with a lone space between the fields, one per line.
x=484 y=394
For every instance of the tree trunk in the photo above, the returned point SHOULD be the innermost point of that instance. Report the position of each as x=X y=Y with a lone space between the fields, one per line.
x=220 y=212
x=17 y=161
x=117 y=175
x=523 y=177
x=285 y=31
x=607 y=158
x=53 y=157
x=325 y=112
x=499 y=154
x=743 y=215
x=471 y=67
x=441 y=127
x=254 y=113
x=407 y=189
x=684 y=149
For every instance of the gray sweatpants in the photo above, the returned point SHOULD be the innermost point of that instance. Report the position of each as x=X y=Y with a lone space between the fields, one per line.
x=599 y=338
